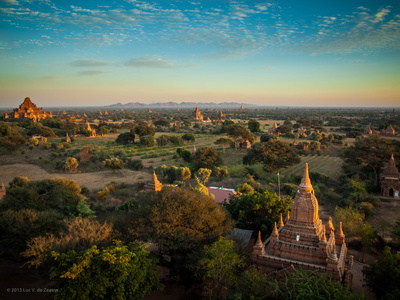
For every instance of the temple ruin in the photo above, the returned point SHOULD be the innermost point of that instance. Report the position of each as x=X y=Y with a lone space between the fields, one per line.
x=390 y=180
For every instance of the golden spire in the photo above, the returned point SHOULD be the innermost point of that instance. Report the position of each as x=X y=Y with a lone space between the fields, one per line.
x=305 y=184
x=155 y=177
x=330 y=224
x=275 y=231
x=287 y=217
x=259 y=242
x=339 y=231
x=323 y=235
x=281 y=222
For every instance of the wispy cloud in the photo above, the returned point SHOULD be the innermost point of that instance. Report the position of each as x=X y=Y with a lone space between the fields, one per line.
x=9 y=2
x=92 y=72
x=149 y=61
x=84 y=63
x=362 y=31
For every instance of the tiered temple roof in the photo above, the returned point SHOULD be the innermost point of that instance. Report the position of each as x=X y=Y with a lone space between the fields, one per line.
x=304 y=242
x=29 y=110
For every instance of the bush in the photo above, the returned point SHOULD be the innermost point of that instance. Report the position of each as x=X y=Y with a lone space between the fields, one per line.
x=134 y=164
x=147 y=141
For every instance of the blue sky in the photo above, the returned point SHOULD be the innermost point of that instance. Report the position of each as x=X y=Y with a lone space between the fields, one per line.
x=303 y=53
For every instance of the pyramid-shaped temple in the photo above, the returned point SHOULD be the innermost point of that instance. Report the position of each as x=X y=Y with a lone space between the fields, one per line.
x=304 y=242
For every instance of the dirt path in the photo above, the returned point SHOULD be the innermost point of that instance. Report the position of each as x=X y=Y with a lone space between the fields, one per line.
x=94 y=180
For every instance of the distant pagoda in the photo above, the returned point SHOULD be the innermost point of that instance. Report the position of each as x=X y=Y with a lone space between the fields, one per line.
x=153 y=185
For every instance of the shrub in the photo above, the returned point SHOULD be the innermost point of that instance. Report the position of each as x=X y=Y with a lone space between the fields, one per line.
x=135 y=164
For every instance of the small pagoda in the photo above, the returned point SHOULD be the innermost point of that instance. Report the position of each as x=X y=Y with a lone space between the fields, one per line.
x=273 y=129
x=153 y=185
x=304 y=242
x=390 y=180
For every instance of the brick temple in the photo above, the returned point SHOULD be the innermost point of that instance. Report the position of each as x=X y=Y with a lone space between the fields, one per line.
x=390 y=180
x=29 y=110
x=303 y=242
x=196 y=115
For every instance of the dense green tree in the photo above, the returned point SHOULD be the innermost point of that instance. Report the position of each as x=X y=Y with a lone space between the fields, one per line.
x=126 y=138
x=252 y=285
x=266 y=137
x=206 y=157
x=179 y=219
x=257 y=211
x=134 y=164
x=284 y=129
x=144 y=129
x=162 y=122
x=114 y=272
x=238 y=133
x=224 y=142
x=396 y=232
x=274 y=154
x=254 y=126
x=373 y=151
x=11 y=137
x=383 y=275
x=220 y=268
x=162 y=140
x=147 y=141
x=39 y=129
x=18 y=227
x=188 y=137
x=59 y=194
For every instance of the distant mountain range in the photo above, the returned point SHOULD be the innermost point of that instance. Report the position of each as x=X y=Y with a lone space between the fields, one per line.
x=224 y=105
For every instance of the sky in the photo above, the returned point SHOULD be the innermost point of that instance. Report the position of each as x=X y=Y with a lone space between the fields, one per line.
x=275 y=53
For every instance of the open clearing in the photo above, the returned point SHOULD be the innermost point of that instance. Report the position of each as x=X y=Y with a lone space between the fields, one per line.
x=328 y=165
x=93 y=180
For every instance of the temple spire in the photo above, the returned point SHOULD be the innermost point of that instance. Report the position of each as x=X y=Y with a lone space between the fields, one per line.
x=281 y=221
x=258 y=248
x=323 y=239
x=305 y=184
x=287 y=217
x=259 y=242
x=275 y=233
x=339 y=231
